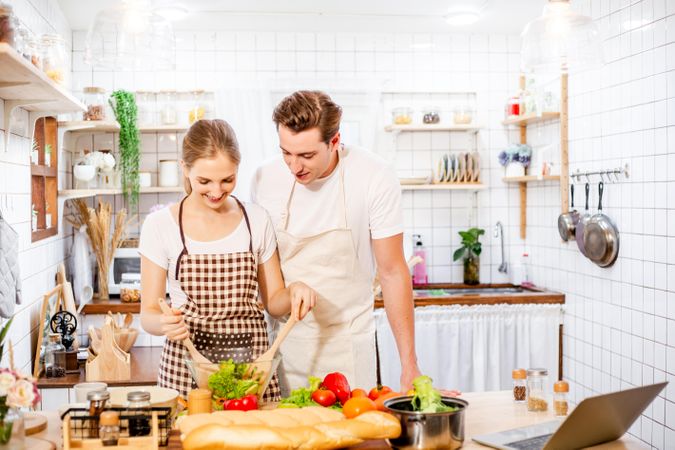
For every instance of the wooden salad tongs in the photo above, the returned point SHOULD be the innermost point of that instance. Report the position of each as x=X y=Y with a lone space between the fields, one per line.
x=202 y=366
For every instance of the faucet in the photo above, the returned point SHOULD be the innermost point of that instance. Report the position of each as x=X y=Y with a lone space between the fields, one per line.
x=499 y=233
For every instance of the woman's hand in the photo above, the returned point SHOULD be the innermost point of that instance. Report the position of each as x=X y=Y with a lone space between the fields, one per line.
x=303 y=299
x=173 y=326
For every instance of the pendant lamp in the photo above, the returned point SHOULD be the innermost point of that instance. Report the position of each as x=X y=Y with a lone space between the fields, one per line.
x=130 y=36
x=560 y=40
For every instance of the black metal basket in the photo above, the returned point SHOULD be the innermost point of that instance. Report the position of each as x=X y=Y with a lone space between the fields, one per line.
x=133 y=423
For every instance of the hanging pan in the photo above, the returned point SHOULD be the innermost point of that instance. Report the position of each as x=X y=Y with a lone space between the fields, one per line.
x=601 y=236
x=582 y=222
x=567 y=222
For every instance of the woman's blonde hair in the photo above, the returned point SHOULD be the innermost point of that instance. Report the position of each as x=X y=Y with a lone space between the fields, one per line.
x=205 y=139
x=303 y=110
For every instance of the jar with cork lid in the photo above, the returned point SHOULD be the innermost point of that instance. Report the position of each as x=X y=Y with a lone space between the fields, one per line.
x=519 y=385
x=537 y=380
x=561 y=391
x=109 y=431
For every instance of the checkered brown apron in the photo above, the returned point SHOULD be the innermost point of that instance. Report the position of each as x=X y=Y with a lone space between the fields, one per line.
x=222 y=312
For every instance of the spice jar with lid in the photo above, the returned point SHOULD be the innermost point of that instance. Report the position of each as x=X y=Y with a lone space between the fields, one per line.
x=561 y=390
x=146 y=108
x=7 y=23
x=97 y=403
x=55 y=357
x=54 y=57
x=197 y=110
x=519 y=385
x=130 y=288
x=167 y=107
x=537 y=380
x=401 y=116
x=512 y=107
x=199 y=401
x=95 y=100
x=430 y=115
x=140 y=412
x=109 y=428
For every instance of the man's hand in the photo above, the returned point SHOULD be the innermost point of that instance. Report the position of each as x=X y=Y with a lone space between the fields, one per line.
x=303 y=299
x=408 y=373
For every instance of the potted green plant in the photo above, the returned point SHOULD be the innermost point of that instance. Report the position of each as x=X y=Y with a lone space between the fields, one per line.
x=123 y=104
x=470 y=250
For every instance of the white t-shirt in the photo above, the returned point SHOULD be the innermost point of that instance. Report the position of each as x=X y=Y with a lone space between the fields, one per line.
x=160 y=243
x=372 y=195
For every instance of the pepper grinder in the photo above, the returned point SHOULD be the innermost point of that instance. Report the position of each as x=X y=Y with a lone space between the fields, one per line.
x=65 y=324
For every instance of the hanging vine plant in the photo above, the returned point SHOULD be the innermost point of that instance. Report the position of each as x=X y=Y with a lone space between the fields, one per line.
x=124 y=106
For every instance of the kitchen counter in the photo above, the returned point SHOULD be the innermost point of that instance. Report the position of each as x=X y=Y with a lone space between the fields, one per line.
x=144 y=366
x=488 y=412
x=482 y=294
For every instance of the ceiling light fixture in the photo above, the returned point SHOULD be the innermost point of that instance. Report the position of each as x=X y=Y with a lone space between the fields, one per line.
x=560 y=40
x=465 y=12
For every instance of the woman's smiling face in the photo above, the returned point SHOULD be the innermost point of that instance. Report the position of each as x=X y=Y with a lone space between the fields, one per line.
x=212 y=179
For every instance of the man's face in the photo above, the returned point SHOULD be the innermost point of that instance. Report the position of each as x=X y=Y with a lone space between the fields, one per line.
x=305 y=154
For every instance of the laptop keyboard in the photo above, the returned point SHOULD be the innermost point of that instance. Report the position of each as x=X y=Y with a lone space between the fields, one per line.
x=535 y=443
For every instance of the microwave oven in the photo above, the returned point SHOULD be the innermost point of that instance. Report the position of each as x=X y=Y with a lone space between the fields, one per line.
x=125 y=260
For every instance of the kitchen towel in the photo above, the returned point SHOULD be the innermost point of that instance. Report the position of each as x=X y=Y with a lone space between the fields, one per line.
x=10 y=281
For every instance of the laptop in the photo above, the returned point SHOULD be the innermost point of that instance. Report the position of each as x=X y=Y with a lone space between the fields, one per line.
x=595 y=420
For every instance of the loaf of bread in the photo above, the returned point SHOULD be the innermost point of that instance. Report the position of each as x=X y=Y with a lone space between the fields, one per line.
x=302 y=428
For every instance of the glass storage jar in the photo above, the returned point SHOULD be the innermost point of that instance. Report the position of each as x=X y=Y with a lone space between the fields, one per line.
x=167 y=107
x=430 y=115
x=462 y=114
x=109 y=431
x=55 y=357
x=519 y=385
x=95 y=100
x=7 y=23
x=130 y=287
x=561 y=390
x=537 y=381
x=54 y=57
x=97 y=404
x=401 y=116
x=512 y=107
x=139 y=412
x=32 y=46
x=145 y=102
x=197 y=108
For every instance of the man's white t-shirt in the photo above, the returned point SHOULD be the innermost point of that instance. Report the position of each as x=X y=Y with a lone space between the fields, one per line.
x=372 y=194
x=160 y=243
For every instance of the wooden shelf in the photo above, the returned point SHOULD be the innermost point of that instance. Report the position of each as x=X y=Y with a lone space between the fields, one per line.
x=436 y=127
x=45 y=171
x=70 y=194
x=531 y=179
x=443 y=187
x=42 y=234
x=22 y=84
x=114 y=305
x=112 y=127
x=531 y=118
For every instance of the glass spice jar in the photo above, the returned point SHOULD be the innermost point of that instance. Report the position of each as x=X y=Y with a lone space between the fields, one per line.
x=97 y=403
x=167 y=104
x=519 y=385
x=561 y=390
x=55 y=357
x=430 y=116
x=512 y=107
x=7 y=23
x=109 y=428
x=197 y=109
x=146 y=108
x=537 y=380
x=54 y=57
x=140 y=412
x=95 y=100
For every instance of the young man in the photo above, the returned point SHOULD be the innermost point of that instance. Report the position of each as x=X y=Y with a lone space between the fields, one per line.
x=338 y=217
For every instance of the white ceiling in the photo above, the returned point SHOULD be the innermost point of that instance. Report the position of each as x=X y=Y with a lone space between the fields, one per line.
x=499 y=16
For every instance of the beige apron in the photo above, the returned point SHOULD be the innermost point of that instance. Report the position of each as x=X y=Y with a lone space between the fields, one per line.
x=339 y=334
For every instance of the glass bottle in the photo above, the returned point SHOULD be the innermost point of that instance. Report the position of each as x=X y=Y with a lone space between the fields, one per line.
x=95 y=101
x=420 y=269
x=519 y=385
x=526 y=270
x=7 y=23
x=55 y=357
x=146 y=108
x=33 y=50
x=561 y=390
x=197 y=109
x=109 y=428
x=167 y=104
x=537 y=380
x=54 y=57
x=97 y=403
x=139 y=412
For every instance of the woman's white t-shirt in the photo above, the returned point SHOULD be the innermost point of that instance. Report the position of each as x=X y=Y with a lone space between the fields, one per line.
x=160 y=242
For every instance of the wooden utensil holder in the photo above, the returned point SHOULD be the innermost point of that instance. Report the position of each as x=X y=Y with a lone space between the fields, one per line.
x=150 y=442
x=111 y=363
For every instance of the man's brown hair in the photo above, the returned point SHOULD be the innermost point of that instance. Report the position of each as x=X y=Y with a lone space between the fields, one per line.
x=304 y=110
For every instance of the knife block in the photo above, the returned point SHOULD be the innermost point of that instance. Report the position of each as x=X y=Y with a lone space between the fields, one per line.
x=111 y=363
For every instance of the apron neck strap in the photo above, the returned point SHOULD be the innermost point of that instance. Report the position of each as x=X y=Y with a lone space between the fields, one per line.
x=180 y=224
x=248 y=223
x=286 y=214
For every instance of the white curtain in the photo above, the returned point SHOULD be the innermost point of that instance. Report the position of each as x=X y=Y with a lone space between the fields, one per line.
x=249 y=111
x=475 y=348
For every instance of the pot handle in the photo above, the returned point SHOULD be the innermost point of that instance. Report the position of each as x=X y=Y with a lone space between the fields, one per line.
x=588 y=191
x=601 y=189
x=572 y=189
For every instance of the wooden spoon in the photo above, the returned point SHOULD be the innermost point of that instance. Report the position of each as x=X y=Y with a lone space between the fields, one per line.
x=262 y=366
x=128 y=319
x=197 y=358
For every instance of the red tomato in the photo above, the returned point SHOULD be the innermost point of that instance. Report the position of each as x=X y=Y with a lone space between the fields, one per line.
x=377 y=391
x=324 y=397
x=358 y=392
x=245 y=403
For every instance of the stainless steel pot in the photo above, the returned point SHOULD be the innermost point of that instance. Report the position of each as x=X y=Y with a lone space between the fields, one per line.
x=444 y=430
x=567 y=222
x=601 y=236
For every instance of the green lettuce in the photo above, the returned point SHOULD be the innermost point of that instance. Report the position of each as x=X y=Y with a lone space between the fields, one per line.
x=426 y=398
x=231 y=381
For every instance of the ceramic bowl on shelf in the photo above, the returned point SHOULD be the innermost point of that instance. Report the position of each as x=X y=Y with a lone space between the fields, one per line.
x=84 y=172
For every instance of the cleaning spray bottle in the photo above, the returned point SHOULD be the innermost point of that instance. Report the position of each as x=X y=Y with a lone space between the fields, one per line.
x=420 y=270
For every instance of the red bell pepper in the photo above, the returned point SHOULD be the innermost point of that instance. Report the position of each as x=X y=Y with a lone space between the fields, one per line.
x=246 y=403
x=338 y=384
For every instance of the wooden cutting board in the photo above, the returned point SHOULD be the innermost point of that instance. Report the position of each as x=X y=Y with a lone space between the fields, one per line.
x=34 y=423
x=176 y=444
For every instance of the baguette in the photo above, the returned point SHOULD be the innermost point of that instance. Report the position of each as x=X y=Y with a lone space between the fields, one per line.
x=302 y=428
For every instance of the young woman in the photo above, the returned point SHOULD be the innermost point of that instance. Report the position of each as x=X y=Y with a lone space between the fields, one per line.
x=218 y=254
